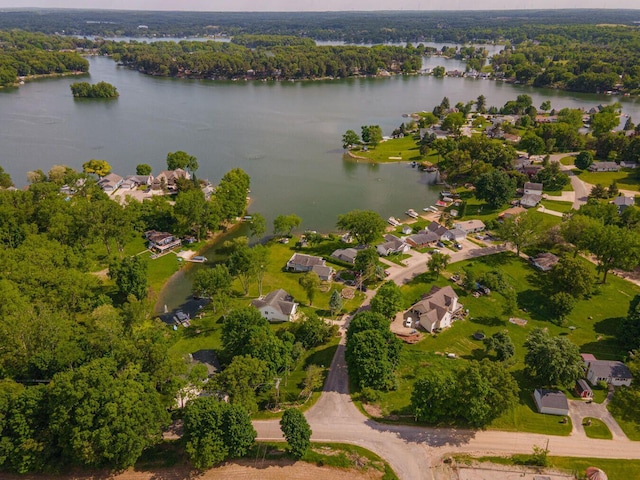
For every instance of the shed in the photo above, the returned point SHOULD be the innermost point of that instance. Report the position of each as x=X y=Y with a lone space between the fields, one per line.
x=551 y=402
x=583 y=390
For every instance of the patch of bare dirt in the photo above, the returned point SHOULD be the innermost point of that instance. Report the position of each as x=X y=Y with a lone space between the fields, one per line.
x=372 y=410
x=237 y=470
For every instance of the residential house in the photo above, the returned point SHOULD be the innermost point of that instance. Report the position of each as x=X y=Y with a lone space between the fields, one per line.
x=583 y=390
x=455 y=235
x=110 y=182
x=551 y=402
x=168 y=178
x=510 y=137
x=623 y=203
x=346 y=238
x=407 y=230
x=470 y=226
x=531 y=188
x=421 y=240
x=300 y=262
x=392 y=245
x=530 y=200
x=435 y=227
x=510 y=212
x=625 y=164
x=436 y=310
x=131 y=182
x=161 y=242
x=604 y=167
x=347 y=255
x=609 y=371
x=545 y=261
x=277 y=306
x=586 y=358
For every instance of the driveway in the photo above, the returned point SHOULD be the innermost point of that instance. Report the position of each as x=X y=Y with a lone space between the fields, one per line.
x=579 y=410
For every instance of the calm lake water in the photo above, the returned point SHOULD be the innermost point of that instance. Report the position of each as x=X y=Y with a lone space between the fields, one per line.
x=286 y=135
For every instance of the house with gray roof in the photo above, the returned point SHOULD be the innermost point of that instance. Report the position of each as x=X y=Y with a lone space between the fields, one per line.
x=604 y=167
x=551 y=402
x=422 y=240
x=300 y=262
x=392 y=245
x=347 y=255
x=623 y=203
x=455 y=235
x=530 y=200
x=470 y=226
x=545 y=261
x=532 y=188
x=609 y=371
x=110 y=182
x=277 y=306
x=436 y=310
x=436 y=228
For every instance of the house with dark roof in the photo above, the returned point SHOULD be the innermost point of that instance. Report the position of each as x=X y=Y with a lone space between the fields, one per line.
x=439 y=230
x=392 y=245
x=545 y=261
x=455 y=235
x=551 y=402
x=347 y=255
x=277 y=306
x=609 y=371
x=421 y=240
x=436 y=310
x=623 y=203
x=168 y=179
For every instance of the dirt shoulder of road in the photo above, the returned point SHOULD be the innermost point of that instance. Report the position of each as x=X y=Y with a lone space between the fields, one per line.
x=236 y=470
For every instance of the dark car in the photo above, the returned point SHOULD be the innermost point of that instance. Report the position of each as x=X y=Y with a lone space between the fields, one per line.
x=362 y=288
x=458 y=246
x=440 y=244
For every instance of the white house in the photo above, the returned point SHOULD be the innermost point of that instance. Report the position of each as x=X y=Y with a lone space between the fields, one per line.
x=277 y=306
x=470 y=226
x=551 y=402
x=604 y=167
x=455 y=235
x=436 y=310
x=392 y=245
x=612 y=372
x=530 y=200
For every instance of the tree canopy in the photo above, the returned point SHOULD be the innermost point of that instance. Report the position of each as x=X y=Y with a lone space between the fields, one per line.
x=365 y=225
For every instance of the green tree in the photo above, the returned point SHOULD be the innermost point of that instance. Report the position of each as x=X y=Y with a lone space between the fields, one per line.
x=97 y=167
x=312 y=331
x=603 y=122
x=481 y=104
x=388 y=300
x=143 y=169
x=501 y=343
x=375 y=135
x=438 y=71
x=614 y=247
x=240 y=380
x=214 y=283
x=453 y=123
x=365 y=225
x=231 y=194
x=433 y=396
x=257 y=226
x=365 y=264
x=242 y=265
x=296 y=431
x=496 y=188
x=584 y=160
x=573 y=276
x=629 y=328
x=349 y=139
x=104 y=416
x=533 y=144
x=545 y=106
x=284 y=224
x=367 y=320
x=130 y=276
x=5 y=179
x=335 y=302
x=552 y=360
x=310 y=282
x=520 y=230
x=193 y=212
x=581 y=231
x=215 y=431
x=372 y=356
x=182 y=160
x=561 y=304
x=438 y=262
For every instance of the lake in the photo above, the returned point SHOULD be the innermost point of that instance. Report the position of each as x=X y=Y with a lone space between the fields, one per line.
x=285 y=135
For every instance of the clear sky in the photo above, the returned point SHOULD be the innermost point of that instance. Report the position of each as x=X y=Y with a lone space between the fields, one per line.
x=319 y=5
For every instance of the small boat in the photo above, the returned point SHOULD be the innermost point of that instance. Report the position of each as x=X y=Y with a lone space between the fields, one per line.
x=434 y=209
x=412 y=213
x=247 y=218
x=440 y=203
x=199 y=259
x=445 y=193
x=393 y=221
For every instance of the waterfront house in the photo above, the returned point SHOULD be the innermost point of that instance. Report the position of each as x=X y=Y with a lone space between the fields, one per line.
x=276 y=306
x=300 y=262
x=608 y=371
x=551 y=402
x=161 y=242
x=437 y=229
x=110 y=182
x=168 y=179
x=421 y=240
x=470 y=226
x=604 y=167
x=436 y=310
x=346 y=255
x=392 y=245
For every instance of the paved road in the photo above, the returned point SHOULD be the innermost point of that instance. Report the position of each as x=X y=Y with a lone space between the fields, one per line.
x=580 y=189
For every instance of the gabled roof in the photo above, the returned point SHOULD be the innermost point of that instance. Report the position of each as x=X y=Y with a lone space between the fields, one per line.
x=423 y=238
x=392 y=242
x=533 y=186
x=278 y=300
x=436 y=303
x=553 y=399
x=621 y=201
x=469 y=225
x=530 y=199
x=436 y=228
x=323 y=271
x=345 y=254
x=545 y=260
x=305 y=260
x=609 y=369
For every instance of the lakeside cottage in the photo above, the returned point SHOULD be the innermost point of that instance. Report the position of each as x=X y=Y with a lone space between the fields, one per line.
x=300 y=262
x=470 y=226
x=168 y=179
x=110 y=182
x=346 y=255
x=276 y=306
x=161 y=242
x=392 y=245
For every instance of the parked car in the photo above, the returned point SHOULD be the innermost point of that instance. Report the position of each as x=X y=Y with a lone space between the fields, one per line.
x=458 y=246
x=408 y=322
x=440 y=244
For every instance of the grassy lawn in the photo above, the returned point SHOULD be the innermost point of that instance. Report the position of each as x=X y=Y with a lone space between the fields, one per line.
x=569 y=160
x=597 y=429
x=557 y=205
x=406 y=148
x=628 y=421
x=595 y=321
x=626 y=178
x=397 y=258
x=615 y=469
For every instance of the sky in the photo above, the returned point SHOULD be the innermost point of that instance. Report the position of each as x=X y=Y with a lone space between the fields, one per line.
x=319 y=5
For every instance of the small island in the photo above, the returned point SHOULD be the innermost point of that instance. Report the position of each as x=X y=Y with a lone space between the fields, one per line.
x=99 y=90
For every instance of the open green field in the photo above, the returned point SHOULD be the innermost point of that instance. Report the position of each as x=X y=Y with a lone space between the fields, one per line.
x=595 y=321
x=406 y=148
x=626 y=178
x=556 y=205
x=597 y=429
x=615 y=469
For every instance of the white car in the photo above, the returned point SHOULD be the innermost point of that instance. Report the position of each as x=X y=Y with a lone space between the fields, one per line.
x=408 y=322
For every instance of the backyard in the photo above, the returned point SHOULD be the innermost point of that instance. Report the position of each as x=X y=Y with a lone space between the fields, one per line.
x=626 y=178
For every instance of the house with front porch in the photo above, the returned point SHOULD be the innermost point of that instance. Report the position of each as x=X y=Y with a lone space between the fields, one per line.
x=436 y=310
